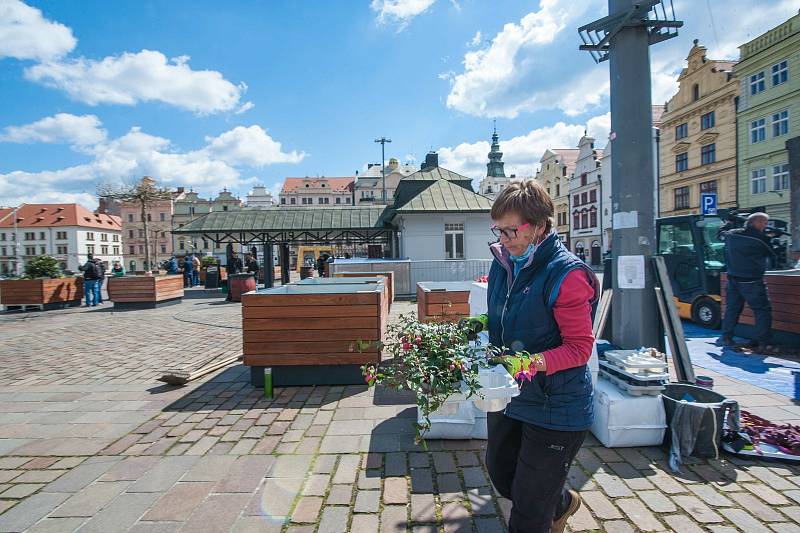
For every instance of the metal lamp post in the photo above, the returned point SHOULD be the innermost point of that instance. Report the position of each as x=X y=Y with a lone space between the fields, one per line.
x=383 y=141
x=624 y=37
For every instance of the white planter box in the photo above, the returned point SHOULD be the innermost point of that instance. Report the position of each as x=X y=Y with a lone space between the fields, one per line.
x=621 y=420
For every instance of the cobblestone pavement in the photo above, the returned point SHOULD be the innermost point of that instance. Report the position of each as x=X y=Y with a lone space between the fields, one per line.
x=90 y=442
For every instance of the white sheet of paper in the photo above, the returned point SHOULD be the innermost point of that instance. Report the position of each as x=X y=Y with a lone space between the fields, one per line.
x=630 y=272
x=625 y=219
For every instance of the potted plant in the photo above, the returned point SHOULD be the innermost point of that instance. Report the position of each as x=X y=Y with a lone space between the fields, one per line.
x=42 y=284
x=434 y=360
x=205 y=262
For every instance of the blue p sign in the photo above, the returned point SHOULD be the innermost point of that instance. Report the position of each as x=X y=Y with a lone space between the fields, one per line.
x=708 y=203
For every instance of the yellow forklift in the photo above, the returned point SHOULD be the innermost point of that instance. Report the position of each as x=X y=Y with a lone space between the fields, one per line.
x=694 y=256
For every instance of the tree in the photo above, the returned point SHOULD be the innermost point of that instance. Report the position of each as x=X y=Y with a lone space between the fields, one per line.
x=145 y=194
x=43 y=266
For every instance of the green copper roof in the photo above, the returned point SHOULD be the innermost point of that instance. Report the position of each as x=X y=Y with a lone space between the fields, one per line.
x=281 y=218
x=437 y=173
x=445 y=196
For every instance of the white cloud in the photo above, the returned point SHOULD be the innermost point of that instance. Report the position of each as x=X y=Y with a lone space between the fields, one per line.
x=217 y=164
x=249 y=146
x=476 y=40
x=74 y=130
x=521 y=154
x=26 y=34
x=399 y=11
x=145 y=76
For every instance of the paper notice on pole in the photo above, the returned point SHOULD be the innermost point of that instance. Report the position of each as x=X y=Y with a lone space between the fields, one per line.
x=625 y=219
x=630 y=271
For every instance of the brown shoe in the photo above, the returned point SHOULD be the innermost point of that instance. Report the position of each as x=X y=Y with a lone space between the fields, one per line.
x=561 y=522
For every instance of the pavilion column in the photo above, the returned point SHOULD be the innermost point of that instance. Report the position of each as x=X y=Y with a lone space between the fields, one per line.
x=284 y=263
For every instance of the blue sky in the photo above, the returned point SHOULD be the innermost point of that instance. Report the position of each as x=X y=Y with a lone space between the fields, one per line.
x=210 y=94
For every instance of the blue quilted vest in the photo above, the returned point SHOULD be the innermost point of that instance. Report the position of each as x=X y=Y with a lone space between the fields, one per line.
x=521 y=318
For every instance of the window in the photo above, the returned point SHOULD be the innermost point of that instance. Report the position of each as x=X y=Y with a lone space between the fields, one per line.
x=681 y=162
x=130 y=234
x=2 y=250
x=224 y=207
x=182 y=245
x=708 y=154
x=780 y=177
x=30 y=235
x=132 y=250
x=30 y=250
x=707 y=121
x=583 y=179
x=558 y=189
x=115 y=238
x=116 y=250
x=43 y=250
x=682 y=198
x=576 y=220
x=780 y=123
x=141 y=249
x=708 y=187
x=141 y=234
x=2 y=236
x=695 y=92
x=320 y=200
x=149 y=217
x=454 y=241
x=90 y=248
x=584 y=198
x=41 y=236
x=593 y=195
x=89 y=235
x=283 y=201
x=593 y=218
x=61 y=235
x=161 y=216
x=163 y=249
x=104 y=249
x=758 y=131
x=756 y=83
x=294 y=201
x=130 y=217
x=163 y=234
x=61 y=249
x=347 y=200
x=339 y=200
x=780 y=73
x=576 y=199
x=681 y=131
x=758 y=180
x=104 y=237
x=205 y=244
x=585 y=218
x=191 y=210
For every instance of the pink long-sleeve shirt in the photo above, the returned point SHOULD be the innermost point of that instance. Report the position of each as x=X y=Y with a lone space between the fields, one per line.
x=573 y=314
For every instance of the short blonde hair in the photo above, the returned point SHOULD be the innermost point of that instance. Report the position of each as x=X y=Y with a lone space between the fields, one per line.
x=527 y=199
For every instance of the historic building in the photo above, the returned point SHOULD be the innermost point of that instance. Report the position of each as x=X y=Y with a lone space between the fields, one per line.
x=67 y=232
x=585 y=191
x=260 y=198
x=310 y=192
x=556 y=169
x=159 y=226
x=769 y=115
x=698 y=137
x=190 y=206
x=368 y=188
x=495 y=180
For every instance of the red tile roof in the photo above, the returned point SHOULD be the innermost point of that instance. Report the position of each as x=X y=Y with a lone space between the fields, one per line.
x=58 y=215
x=335 y=184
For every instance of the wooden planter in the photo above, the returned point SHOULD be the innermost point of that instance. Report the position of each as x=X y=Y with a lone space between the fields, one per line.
x=443 y=301
x=360 y=280
x=48 y=293
x=145 y=292
x=389 y=276
x=309 y=334
x=784 y=293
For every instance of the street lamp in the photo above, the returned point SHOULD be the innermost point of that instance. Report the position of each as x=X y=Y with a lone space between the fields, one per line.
x=383 y=141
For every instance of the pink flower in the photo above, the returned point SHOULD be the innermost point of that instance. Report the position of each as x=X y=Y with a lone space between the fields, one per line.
x=452 y=366
x=406 y=346
x=526 y=374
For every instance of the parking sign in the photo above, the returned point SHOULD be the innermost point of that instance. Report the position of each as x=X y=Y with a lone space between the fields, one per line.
x=708 y=203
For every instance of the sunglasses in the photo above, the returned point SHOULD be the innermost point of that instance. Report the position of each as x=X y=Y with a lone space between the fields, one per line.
x=510 y=233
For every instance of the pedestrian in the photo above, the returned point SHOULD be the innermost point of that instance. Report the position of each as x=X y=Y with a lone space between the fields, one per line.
x=172 y=266
x=188 y=271
x=195 y=271
x=89 y=269
x=250 y=264
x=117 y=270
x=540 y=298
x=101 y=276
x=747 y=251
x=234 y=267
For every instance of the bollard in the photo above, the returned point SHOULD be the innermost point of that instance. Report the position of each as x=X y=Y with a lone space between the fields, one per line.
x=268 y=383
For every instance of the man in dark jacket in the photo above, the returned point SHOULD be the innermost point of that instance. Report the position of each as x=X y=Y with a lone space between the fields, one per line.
x=101 y=276
x=188 y=271
x=90 y=275
x=251 y=264
x=747 y=250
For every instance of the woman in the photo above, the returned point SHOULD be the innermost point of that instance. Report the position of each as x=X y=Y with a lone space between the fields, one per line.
x=117 y=270
x=540 y=301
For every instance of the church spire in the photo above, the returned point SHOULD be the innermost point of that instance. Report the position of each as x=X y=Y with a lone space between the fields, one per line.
x=494 y=168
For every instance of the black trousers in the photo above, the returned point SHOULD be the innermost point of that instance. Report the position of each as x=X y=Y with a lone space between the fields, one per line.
x=755 y=294
x=529 y=465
